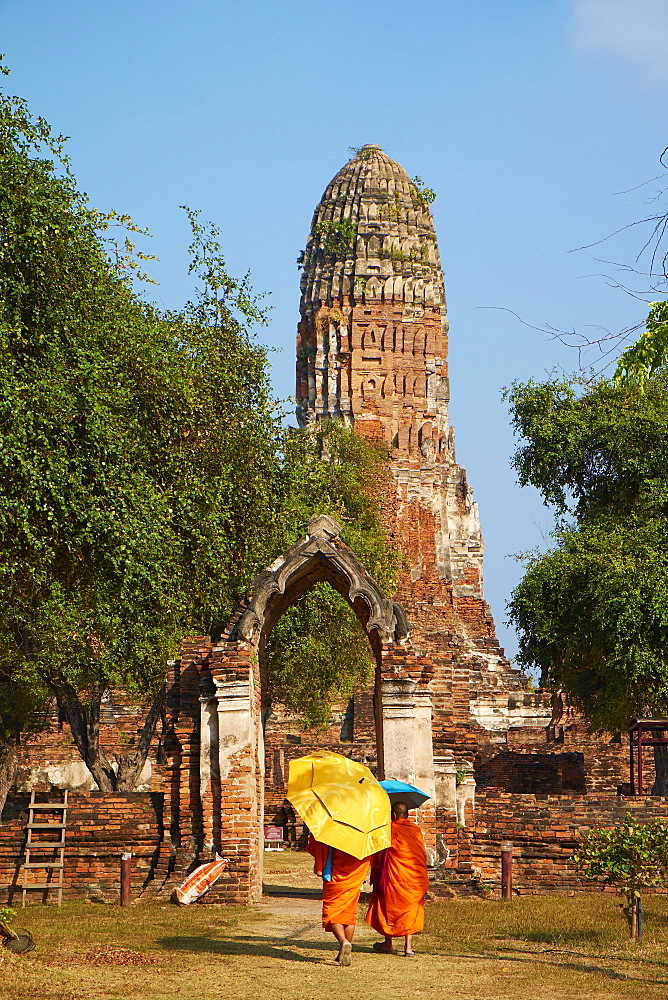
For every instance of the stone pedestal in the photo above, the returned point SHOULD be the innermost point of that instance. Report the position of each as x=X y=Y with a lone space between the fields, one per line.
x=466 y=802
x=237 y=789
x=445 y=781
x=234 y=721
x=209 y=773
x=407 y=744
x=407 y=740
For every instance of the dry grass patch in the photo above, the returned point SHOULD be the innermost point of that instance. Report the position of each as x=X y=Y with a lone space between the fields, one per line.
x=105 y=951
x=549 y=948
x=585 y=936
x=293 y=869
x=109 y=955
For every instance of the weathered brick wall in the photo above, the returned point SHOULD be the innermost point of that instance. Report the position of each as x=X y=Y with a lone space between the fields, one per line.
x=214 y=805
x=99 y=829
x=183 y=811
x=527 y=770
x=606 y=758
x=544 y=831
x=556 y=759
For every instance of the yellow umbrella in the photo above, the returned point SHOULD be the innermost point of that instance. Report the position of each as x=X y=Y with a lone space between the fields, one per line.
x=341 y=803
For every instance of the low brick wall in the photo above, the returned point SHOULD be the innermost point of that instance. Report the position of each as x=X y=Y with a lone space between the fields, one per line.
x=545 y=830
x=99 y=828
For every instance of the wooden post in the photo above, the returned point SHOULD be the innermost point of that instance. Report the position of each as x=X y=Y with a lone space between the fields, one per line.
x=633 y=779
x=126 y=877
x=506 y=871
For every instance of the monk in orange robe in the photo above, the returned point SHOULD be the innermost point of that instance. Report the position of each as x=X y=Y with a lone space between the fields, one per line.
x=341 y=887
x=397 y=904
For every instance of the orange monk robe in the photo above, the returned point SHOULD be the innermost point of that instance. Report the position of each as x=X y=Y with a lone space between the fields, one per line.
x=400 y=910
x=341 y=895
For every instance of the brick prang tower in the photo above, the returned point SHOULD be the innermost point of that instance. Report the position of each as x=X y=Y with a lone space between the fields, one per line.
x=372 y=349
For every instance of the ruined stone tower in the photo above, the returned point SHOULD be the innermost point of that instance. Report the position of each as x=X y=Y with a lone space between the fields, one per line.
x=372 y=349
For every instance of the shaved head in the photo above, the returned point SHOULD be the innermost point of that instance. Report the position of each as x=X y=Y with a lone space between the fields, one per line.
x=400 y=810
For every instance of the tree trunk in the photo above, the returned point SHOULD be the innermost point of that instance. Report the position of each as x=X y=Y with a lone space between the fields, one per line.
x=84 y=722
x=660 y=786
x=131 y=765
x=8 y=767
x=636 y=924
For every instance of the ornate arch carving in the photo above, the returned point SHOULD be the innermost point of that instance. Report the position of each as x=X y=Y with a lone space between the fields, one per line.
x=320 y=555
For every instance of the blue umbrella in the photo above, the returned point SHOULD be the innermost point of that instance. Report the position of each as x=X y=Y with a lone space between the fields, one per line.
x=400 y=791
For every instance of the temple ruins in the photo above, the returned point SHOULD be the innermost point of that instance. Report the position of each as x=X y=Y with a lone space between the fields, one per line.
x=445 y=711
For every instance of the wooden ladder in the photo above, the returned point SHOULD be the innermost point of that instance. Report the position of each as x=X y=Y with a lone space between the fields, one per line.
x=49 y=831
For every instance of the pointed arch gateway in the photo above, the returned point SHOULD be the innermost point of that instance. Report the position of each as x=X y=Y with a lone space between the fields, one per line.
x=321 y=556
x=216 y=799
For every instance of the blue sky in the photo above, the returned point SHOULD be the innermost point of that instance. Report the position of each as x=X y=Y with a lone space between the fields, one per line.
x=529 y=119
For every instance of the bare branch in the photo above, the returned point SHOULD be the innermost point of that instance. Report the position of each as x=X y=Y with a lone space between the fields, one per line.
x=656 y=277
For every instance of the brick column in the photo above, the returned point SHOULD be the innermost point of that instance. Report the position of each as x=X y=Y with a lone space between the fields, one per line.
x=238 y=768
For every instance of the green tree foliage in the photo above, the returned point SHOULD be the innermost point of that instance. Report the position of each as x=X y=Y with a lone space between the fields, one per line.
x=144 y=474
x=138 y=455
x=7 y=914
x=649 y=352
x=336 y=238
x=23 y=701
x=423 y=195
x=592 y=612
x=592 y=451
x=317 y=650
x=316 y=654
x=632 y=857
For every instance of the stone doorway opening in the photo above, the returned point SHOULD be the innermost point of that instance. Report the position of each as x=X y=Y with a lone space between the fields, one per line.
x=319 y=558
x=324 y=694
x=216 y=798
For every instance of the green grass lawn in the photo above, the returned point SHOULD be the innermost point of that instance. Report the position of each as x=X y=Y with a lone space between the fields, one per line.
x=584 y=936
x=534 y=948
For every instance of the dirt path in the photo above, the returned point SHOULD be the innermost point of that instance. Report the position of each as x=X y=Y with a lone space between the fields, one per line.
x=277 y=950
x=288 y=956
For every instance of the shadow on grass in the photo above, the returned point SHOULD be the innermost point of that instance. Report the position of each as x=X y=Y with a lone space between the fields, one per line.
x=536 y=958
x=651 y=916
x=254 y=944
x=264 y=947
x=559 y=937
x=533 y=958
x=290 y=890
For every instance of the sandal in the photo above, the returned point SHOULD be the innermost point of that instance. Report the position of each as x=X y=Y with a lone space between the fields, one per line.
x=409 y=954
x=379 y=947
x=346 y=950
